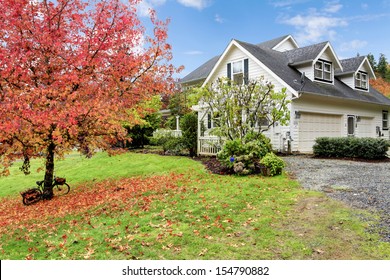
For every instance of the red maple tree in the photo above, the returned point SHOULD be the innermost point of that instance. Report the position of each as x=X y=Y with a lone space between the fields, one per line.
x=71 y=71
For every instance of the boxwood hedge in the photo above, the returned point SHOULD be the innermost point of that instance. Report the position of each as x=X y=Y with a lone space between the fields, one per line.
x=352 y=147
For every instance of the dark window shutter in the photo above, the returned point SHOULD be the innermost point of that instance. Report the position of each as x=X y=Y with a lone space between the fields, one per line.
x=229 y=71
x=246 y=71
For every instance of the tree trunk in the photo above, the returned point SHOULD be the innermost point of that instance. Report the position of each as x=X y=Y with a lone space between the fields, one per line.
x=49 y=173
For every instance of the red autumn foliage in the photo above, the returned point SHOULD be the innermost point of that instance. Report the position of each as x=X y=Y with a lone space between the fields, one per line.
x=71 y=71
x=103 y=197
x=381 y=85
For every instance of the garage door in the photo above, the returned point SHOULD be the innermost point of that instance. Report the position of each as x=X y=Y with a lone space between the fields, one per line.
x=313 y=125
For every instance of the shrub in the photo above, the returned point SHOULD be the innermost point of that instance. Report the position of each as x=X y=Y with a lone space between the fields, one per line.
x=243 y=155
x=173 y=145
x=273 y=164
x=141 y=133
x=161 y=136
x=366 y=148
x=189 y=128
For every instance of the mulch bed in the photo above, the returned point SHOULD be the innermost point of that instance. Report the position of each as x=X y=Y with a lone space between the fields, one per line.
x=214 y=166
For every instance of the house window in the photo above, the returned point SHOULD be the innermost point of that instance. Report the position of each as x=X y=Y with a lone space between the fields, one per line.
x=351 y=125
x=323 y=71
x=385 y=120
x=209 y=124
x=361 y=81
x=238 y=71
x=263 y=122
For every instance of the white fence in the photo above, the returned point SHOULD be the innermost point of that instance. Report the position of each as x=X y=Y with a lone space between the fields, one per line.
x=208 y=145
x=166 y=132
x=176 y=133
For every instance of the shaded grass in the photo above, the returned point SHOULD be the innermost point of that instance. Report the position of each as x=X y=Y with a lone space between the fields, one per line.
x=180 y=211
x=78 y=169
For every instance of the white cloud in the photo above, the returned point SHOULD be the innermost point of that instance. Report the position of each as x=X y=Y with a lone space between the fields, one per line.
x=313 y=28
x=197 y=4
x=317 y=24
x=353 y=45
x=333 y=7
x=219 y=19
x=193 y=52
x=286 y=3
x=145 y=5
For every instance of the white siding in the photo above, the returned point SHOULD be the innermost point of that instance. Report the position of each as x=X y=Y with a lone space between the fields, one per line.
x=349 y=80
x=364 y=68
x=326 y=116
x=308 y=69
x=327 y=55
x=370 y=116
x=364 y=127
x=255 y=70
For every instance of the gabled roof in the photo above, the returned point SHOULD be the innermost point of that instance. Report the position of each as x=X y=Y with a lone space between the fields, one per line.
x=352 y=65
x=305 y=54
x=311 y=53
x=281 y=65
x=276 y=61
x=201 y=72
x=204 y=70
x=274 y=43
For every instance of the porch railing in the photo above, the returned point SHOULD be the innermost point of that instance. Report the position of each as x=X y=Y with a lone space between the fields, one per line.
x=209 y=145
x=176 y=133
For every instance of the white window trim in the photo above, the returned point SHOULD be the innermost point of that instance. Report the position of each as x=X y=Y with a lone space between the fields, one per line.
x=353 y=125
x=323 y=71
x=242 y=69
x=385 y=120
x=361 y=74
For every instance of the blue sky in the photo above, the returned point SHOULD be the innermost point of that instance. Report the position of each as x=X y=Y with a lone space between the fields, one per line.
x=201 y=29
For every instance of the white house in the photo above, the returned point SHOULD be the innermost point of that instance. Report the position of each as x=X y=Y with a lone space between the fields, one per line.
x=329 y=96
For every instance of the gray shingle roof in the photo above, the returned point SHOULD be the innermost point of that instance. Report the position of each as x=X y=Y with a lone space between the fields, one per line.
x=305 y=54
x=281 y=63
x=278 y=63
x=272 y=43
x=350 y=65
x=202 y=71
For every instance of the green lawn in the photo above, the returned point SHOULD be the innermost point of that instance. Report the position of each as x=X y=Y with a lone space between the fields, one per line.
x=78 y=169
x=142 y=206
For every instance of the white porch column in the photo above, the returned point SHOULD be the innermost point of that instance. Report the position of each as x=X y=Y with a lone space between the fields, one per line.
x=177 y=123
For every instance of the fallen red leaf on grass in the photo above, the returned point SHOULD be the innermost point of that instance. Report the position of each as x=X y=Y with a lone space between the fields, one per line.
x=124 y=193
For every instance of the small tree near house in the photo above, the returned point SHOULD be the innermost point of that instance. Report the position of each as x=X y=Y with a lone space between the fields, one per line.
x=71 y=71
x=241 y=114
x=248 y=108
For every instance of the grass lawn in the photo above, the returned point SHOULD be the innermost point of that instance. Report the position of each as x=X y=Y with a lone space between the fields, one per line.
x=143 y=206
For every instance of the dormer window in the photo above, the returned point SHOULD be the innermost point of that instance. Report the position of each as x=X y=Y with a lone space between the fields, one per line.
x=323 y=71
x=361 y=80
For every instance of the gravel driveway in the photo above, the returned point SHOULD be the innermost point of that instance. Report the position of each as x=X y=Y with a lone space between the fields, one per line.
x=364 y=185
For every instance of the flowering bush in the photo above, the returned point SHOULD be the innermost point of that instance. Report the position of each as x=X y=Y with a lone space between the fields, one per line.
x=243 y=156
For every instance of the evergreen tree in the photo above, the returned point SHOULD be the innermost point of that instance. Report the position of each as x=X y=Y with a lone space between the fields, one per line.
x=382 y=66
x=372 y=61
